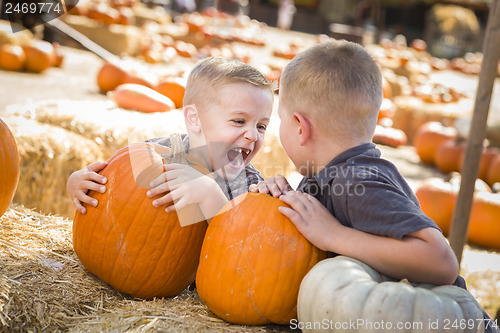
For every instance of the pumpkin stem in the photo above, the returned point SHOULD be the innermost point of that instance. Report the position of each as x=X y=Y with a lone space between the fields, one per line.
x=177 y=153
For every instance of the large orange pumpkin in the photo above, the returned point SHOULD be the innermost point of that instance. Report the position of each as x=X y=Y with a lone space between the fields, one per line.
x=125 y=241
x=429 y=136
x=252 y=262
x=9 y=167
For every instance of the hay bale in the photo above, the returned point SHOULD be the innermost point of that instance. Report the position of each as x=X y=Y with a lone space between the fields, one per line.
x=411 y=112
x=48 y=155
x=44 y=288
x=116 y=38
x=102 y=122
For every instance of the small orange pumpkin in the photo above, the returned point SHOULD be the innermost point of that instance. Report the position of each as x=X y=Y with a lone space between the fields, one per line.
x=110 y=76
x=125 y=241
x=9 y=167
x=252 y=262
x=429 y=136
x=448 y=155
x=493 y=174
x=12 y=57
x=140 y=98
x=487 y=156
x=174 y=88
x=39 y=56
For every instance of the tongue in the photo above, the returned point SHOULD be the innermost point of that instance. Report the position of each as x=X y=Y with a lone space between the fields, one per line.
x=235 y=158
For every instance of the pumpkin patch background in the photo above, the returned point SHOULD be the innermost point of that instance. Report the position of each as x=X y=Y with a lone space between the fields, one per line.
x=62 y=120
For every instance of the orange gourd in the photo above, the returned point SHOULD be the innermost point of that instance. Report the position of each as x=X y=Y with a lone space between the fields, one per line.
x=173 y=88
x=110 y=76
x=9 y=167
x=12 y=57
x=39 y=56
x=252 y=262
x=429 y=136
x=493 y=173
x=125 y=241
x=141 y=98
x=448 y=155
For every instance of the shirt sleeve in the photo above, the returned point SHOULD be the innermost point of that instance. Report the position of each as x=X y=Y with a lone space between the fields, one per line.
x=380 y=208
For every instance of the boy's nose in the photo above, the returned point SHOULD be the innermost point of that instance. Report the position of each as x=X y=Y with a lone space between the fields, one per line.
x=251 y=134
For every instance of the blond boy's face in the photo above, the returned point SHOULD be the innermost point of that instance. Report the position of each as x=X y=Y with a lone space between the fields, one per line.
x=234 y=127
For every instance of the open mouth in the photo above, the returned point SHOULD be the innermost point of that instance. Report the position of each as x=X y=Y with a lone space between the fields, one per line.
x=237 y=156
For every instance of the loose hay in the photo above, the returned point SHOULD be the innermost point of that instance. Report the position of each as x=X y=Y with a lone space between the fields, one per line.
x=44 y=287
x=48 y=155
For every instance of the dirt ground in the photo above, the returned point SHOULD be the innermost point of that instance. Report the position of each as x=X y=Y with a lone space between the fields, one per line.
x=76 y=80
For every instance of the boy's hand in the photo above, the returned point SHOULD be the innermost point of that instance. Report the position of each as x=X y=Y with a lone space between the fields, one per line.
x=81 y=181
x=276 y=186
x=184 y=184
x=310 y=217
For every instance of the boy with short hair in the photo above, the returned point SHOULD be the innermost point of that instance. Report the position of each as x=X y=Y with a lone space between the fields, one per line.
x=351 y=201
x=227 y=106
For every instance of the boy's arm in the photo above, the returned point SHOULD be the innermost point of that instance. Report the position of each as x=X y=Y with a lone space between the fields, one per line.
x=422 y=256
x=81 y=181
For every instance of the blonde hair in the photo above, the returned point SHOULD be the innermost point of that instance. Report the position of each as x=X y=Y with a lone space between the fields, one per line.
x=214 y=72
x=338 y=85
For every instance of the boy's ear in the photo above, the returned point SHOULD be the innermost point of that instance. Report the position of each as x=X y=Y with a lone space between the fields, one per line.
x=192 y=119
x=304 y=127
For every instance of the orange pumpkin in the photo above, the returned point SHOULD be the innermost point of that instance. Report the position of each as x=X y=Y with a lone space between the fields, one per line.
x=9 y=167
x=389 y=136
x=448 y=155
x=487 y=156
x=252 y=262
x=173 y=88
x=484 y=225
x=141 y=98
x=12 y=57
x=125 y=241
x=429 y=136
x=493 y=174
x=437 y=199
x=39 y=56
x=110 y=76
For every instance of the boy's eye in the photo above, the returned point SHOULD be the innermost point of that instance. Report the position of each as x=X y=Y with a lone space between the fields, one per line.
x=261 y=127
x=238 y=121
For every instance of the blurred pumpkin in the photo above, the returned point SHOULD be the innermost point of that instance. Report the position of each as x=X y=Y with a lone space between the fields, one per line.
x=252 y=261
x=9 y=167
x=140 y=98
x=136 y=248
x=448 y=155
x=484 y=223
x=174 y=88
x=110 y=76
x=487 y=156
x=12 y=57
x=429 y=136
x=39 y=56
x=493 y=174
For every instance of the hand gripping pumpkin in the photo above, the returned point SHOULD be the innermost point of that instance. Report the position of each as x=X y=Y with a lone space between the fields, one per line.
x=252 y=261
x=125 y=241
x=350 y=296
x=9 y=167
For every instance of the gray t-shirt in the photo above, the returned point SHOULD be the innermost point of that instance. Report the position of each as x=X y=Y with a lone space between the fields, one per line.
x=367 y=193
x=248 y=176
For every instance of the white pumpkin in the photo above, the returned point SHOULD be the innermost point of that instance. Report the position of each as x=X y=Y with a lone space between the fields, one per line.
x=342 y=294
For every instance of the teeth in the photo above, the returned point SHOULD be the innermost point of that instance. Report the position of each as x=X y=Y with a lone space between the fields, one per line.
x=238 y=150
